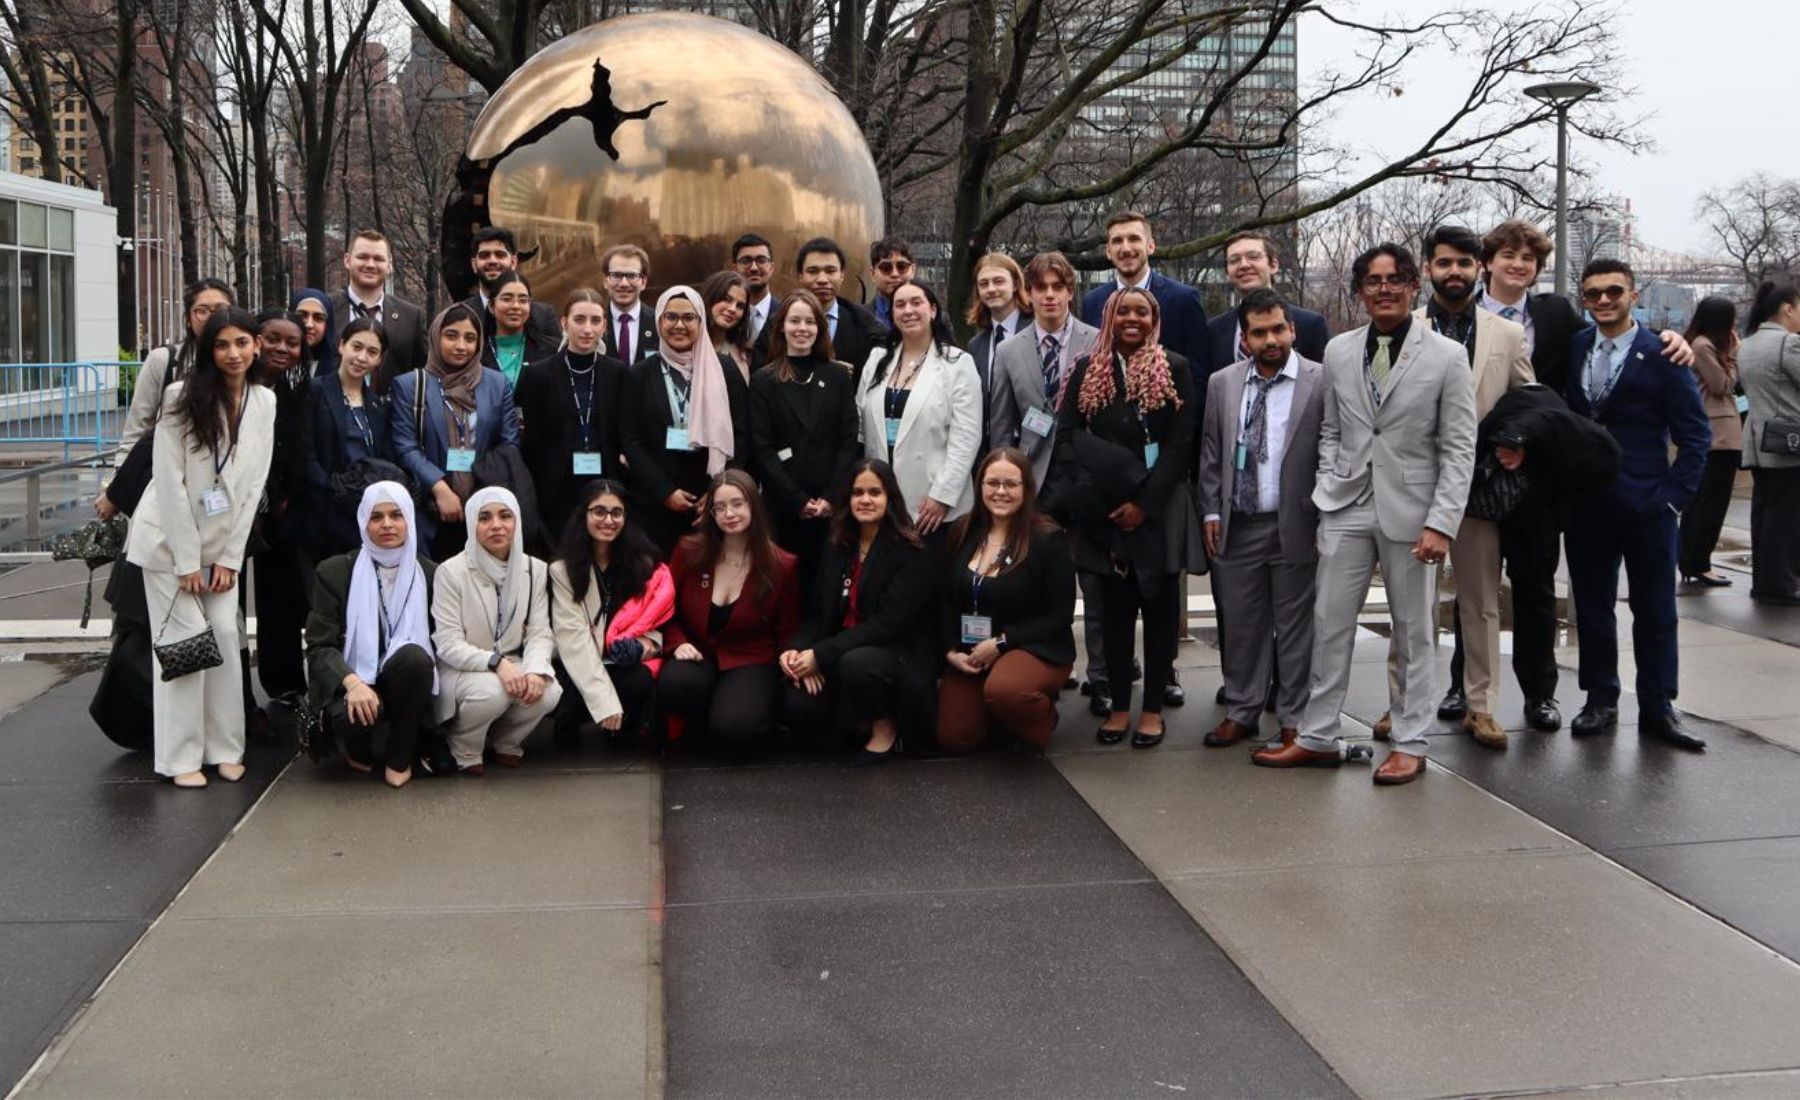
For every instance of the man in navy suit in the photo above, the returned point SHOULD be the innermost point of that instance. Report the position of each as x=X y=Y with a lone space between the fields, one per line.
x=1619 y=376
x=1251 y=263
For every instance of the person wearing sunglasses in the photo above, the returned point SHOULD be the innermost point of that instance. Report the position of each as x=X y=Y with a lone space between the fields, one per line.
x=631 y=334
x=890 y=264
x=1619 y=376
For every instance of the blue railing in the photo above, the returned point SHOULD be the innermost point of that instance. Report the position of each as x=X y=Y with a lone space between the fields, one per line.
x=76 y=406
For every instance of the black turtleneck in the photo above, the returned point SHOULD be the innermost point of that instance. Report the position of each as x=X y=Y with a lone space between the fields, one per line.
x=804 y=366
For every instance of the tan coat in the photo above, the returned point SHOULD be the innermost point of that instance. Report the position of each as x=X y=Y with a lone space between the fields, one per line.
x=1718 y=374
x=1502 y=362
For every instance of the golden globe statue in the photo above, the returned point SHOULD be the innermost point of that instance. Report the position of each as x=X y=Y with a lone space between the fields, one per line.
x=672 y=131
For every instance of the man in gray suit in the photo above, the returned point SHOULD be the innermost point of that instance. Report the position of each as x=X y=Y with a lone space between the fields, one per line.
x=1396 y=454
x=1259 y=459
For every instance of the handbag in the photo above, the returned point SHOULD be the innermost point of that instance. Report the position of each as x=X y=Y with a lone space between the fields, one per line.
x=1780 y=437
x=310 y=732
x=97 y=542
x=192 y=654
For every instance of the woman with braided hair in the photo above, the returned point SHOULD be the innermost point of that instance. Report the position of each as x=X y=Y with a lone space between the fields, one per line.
x=1125 y=435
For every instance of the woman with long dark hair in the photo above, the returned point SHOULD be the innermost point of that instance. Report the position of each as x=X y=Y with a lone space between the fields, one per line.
x=1124 y=444
x=1008 y=622
x=1769 y=368
x=571 y=398
x=349 y=424
x=727 y=301
x=862 y=663
x=920 y=401
x=737 y=602
x=212 y=449
x=515 y=342
x=1713 y=336
x=609 y=599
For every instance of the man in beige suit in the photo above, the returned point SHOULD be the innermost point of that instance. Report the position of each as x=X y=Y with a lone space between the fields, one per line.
x=1500 y=363
x=1396 y=453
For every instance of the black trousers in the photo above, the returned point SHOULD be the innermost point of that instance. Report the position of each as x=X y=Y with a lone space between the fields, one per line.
x=633 y=684
x=1530 y=548
x=1705 y=515
x=1775 y=531
x=283 y=576
x=871 y=683
x=735 y=708
x=1159 y=599
x=404 y=686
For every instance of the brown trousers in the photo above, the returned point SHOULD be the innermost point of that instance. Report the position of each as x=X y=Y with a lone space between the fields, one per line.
x=1018 y=694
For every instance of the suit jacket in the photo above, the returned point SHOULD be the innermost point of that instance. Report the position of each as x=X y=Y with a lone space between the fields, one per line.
x=1311 y=333
x=462 y=626
x=1501 y=364
x=655 y=471
x=170 y=531
x=1184 y=329
x=940 y=430
x=982 y=349
x=1554 y=322
x=643 y=336
x=1018 y=385
x=327 y=621
x=423 y=454
x=537 y=347
x=1416 y=452
x=1718 y=375
x=760 y=625
x=1033 y=603
x=893 y=604
x=404 y=325
x=329 y=421
x=858 y=334
x=1653 y=404
x=543 y=321
x=1769 y=369
x=551 y=433
x=1297 y=519
x=580 y=627
x=803 y=436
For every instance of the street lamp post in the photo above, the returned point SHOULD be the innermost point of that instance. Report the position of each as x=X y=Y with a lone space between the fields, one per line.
x=1561 y=95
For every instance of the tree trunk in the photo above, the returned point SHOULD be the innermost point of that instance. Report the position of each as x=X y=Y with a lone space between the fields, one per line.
x=121 y=167
x=968 y=236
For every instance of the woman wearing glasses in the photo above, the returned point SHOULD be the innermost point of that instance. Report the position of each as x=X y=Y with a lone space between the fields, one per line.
x=737 y=602
x=514 y=342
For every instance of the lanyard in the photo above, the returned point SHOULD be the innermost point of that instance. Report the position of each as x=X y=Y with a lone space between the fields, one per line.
x=236 y=420
x=465 y=422
x=584 y=413
x=980 y=577
x=359 y=418
x=387 y=620
x=678 y=397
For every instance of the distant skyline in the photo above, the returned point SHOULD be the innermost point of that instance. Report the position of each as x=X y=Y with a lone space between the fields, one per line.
x=1708 y=77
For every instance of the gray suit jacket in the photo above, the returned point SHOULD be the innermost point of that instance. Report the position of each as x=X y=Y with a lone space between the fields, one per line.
x=1769 y=371
x=1416 y=452
x=1298 y=518
x=1017 y=384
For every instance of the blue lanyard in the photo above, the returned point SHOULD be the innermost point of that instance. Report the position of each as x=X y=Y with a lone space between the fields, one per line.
x=359 y=418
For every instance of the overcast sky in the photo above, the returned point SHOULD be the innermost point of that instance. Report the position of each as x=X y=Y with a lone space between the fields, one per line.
x=1718 y=76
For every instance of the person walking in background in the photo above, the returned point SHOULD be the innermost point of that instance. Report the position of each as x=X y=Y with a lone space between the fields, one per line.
x=1769 y=367
x=1713 y=336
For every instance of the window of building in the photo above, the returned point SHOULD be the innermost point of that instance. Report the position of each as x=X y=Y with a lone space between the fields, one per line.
x=37 y=285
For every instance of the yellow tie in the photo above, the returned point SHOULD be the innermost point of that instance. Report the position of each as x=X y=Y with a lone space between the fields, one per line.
x=1381 y=363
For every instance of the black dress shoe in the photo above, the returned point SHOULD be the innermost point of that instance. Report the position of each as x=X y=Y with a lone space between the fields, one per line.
x=1595 y=718
x=1142 y=740
x=869 y=758
x=1776 y=600
x=1707 y=580
x=1666 y=727
x=1455 y=706
x=1173 y=695
x=1099 y=699
x=1109 y=737
x=1542 y=715
x=1219 y=696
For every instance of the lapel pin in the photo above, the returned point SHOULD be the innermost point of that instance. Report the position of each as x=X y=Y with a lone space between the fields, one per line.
x=1640 y=355
x=821 y=383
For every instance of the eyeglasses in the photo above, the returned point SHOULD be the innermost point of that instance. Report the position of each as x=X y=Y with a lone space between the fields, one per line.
x=514 y=299
x=625 y=276
x=616 y=515
x=1608 y=293
x=894 y=267
x=682 y=318
x=726 y=507
x=754 y=261
x=995 y=485
x=1376 y=282
x=202 y=309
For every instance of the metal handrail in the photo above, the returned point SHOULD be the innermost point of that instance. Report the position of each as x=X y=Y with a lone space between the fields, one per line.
x=34 y=498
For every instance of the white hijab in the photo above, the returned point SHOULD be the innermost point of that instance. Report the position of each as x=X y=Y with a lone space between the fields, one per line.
x=509 y=581
x=405 y=604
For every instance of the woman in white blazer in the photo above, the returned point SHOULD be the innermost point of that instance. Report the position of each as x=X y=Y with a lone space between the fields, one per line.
x=210 y=458
x=919 y=404
x=492 y=631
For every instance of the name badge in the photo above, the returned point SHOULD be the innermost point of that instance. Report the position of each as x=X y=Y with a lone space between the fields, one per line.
x=676 y=439
x=1151 y=451
x=216 y=501
x=785 y=453
x=1240 y=457
x=977 y=629
x=1040 y=423
x=893 y=431
x=460 y=460
x=587 y=463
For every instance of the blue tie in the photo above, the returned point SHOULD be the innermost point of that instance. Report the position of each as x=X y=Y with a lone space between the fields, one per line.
x=831 y=323
x=1600 y=370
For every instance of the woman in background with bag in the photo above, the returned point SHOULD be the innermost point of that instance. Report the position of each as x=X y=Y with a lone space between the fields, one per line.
x=211 y=457
x=1769 y=368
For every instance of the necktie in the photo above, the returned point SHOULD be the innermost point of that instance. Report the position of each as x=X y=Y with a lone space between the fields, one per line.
x=831 y=322
x=1599 y=370
x=756 y=324
x=1382 y=361
x=1052 y=368
x=1246 y=489
x=1511 y=313
x=367 y=311
x=625 y=337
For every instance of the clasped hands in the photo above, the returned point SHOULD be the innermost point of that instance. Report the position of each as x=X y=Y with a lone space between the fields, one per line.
x=801 y=667
x=976 y=661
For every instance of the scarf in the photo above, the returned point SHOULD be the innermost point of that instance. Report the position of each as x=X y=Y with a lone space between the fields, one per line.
x=325 y=359
x=709 y=403
x=1147 y=379
x=404 y=605
x=459 y=383
x=509 y=580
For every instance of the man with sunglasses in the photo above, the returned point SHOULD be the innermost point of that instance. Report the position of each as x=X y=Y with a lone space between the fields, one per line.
x=1619 y=375
x=753 y=258
x=630 y=326
x=890 y=264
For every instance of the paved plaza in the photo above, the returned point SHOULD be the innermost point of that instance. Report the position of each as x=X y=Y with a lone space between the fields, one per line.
x=1566 y=918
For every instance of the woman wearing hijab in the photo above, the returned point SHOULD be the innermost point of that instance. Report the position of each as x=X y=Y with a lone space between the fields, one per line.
x=369 y=654
x=1124 y=443
x=494 y=637
x=677 y=419
x=447 y=416
x=318 y=330
x=571 y=400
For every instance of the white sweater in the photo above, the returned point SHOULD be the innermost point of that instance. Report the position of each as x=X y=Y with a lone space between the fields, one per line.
x=171 y=532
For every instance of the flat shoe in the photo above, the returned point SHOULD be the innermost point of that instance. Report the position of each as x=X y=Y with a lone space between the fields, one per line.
x=231 y=773
x=1140 y=739
x=508 y=759
x=1109 y=736
x=396 y=779
x=192 y=781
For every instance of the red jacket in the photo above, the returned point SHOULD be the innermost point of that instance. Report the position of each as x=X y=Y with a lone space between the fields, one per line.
x=760 y=624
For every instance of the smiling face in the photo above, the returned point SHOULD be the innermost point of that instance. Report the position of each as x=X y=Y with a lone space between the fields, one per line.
x=730 y=510
x=756 y=264
x=913 y=311
x=458 y=343
x=1609 y=297
x=512 y=307
x=995 y=286
x=1132 y=321
x=1386 y=294
x=492 y=259
x=800 y=328
x=729 y=310
x=624 y=280
x=312 y=321
x=1250 y=266
x=368 y=265
x=360 y=354
x=605 y=518
x=280 y=344
x=1512 y=273
x=679 y=325
x=494 y=528
x=583 y=325
x=387 y=526
x=1129 y=246
x=1002 y=489
x=868 y=499
x=234 y=351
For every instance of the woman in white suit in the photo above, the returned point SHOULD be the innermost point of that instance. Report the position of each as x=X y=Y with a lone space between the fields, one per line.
x=919 y=408
x=210 y=459
x=494 y=637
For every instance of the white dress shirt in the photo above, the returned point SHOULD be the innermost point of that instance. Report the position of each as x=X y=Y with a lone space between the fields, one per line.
x=1276 y=410
x=1521 y=314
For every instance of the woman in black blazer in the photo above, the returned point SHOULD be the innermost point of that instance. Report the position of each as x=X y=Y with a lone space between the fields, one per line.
x=1007 y=624
x=1124 y=444
x=514 y=342
x=803 y=428
x=863 y=662
x=569 y=406
x=349 y=424
x=727 y=316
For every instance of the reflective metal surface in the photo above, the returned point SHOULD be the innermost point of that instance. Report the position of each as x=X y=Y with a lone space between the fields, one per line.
x=746 y=138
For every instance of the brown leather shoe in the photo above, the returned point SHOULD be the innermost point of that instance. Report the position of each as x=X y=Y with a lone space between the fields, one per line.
x=1485 y=730
x=1384 y=726
x=1398 y=768
x=1288 y=735
x=1229 y=732
x=508 y=759
x=1294 y=755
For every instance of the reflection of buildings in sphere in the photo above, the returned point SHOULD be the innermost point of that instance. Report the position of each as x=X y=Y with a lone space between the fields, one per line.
x=750 y=140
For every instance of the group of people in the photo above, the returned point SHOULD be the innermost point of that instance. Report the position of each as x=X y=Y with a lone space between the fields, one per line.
x=735 y=516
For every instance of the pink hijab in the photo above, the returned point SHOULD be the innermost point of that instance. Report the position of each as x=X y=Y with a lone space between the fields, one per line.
x=709 y=403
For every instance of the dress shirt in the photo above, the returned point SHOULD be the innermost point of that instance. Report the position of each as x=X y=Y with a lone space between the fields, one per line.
x=1399 y=335
x=1600 y=370
x=1520 y=312
x=1278 y=407
x=1141 y=284
x=1458 y=325
x=360 y=308
x=759 y=317
x=1039 y=332
x=1005 y=328
x=831 y=318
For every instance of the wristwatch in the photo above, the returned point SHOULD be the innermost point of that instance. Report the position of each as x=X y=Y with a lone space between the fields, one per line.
x=1000 y=643
x=493 y=661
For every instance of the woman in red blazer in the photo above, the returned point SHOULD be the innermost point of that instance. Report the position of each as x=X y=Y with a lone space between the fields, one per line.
x=737 y=602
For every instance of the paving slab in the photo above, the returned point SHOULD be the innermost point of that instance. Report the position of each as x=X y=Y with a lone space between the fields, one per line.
x=1501 y=973
x=1733 y=609
x=1754 y=885
x=46 y=970
x=1058 y=991
x=21 y=681
x=550 y=1003
x=1737 y=1086
x=1780 y=729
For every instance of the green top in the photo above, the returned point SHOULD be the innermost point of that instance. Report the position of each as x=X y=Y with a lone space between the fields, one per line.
x=510 y=350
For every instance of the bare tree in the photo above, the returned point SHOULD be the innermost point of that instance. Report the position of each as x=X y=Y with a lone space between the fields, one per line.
x=1757 y=224
x=32 y=88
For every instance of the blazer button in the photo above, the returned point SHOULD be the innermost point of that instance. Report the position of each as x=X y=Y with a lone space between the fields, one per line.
x=1377 y=431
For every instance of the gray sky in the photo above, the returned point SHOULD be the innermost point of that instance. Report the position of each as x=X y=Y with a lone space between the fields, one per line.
x=1701 y=68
